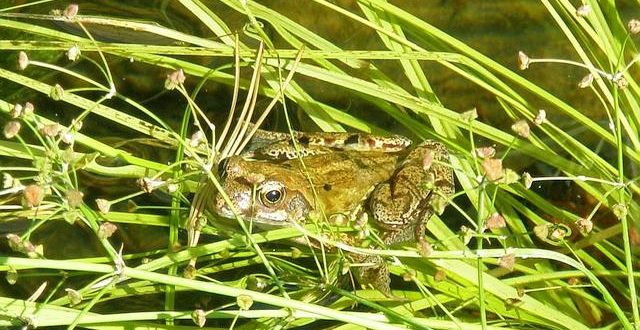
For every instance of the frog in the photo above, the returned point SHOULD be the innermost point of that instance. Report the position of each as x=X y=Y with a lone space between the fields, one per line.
x=286 y=178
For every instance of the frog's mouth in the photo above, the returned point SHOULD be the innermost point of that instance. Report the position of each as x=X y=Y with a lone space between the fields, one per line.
x=257 y=223
x=274 y=219
x=257 y=216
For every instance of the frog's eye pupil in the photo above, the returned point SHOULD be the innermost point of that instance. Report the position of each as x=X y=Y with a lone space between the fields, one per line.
x=271 y=193
x=273 y=196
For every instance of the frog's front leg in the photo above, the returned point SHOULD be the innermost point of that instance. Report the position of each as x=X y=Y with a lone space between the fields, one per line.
x=402 y=206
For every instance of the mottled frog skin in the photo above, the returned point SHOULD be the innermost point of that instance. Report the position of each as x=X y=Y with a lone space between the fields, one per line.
x=285 y=180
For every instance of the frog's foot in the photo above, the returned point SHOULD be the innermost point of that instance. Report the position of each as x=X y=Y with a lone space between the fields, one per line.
x=400 y=212
x=407 y=199
x=373 y=273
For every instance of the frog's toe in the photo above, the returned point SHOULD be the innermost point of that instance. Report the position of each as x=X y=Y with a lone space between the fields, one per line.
x=375 y=275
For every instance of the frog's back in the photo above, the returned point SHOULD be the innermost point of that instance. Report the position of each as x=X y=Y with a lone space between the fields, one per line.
x=342 y=180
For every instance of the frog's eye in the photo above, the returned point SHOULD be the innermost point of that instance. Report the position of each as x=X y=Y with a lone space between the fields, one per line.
x=271 y=193
x=273 y=196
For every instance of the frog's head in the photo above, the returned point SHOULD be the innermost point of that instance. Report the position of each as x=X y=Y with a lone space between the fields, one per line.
x=263 y=192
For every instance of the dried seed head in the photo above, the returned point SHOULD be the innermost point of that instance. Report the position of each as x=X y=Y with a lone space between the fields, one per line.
x=244 y=302
x=18 y=245
x=295 y=252
x=74 y=198
x=621 y=82
x=172 y=187
x=527 y=180
x=510 y=176
x=16 y=111
x=56 y=93
x=507 y=261
x=440 y=275
x=541 y=231
x=541 y=117
x=71 y=216
x=557 y=234
x=50 y=130
x=9 y=182
x=199 y=317
x=485 y=152
x=71 y=11
x=73 y=53
x=256 y=283
x=583 y=10
x=196 y=138
x=424 y=248
x=619 y=210
x=521 y=127
x=523 y=60
x=586 y=81
x=67 y=157
x=339 y=219
x=492 y=169
x=32 y=195
x=68 y=137
x=28 y=109
x=585 y=226
x=174 y=79
x=12 y=276
x=32 y=250
x=148 y=185
x=106 y=230
x=11 y=129
x=74 y=296
x=409 y=275
x=495 y=221
x=103 y=205
x=23 y=60
x=190 y=272
x=200 y=222
x=634 y=26
x=15 y=242
x=363 y=233
x=77 y=124
x=362 y=220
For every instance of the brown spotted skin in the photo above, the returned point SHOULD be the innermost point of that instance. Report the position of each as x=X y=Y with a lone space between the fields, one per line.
x=341 y=173
x=276 y=145
x=405 y=201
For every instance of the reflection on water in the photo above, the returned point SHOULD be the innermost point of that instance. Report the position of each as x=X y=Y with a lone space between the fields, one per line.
x=498 y=29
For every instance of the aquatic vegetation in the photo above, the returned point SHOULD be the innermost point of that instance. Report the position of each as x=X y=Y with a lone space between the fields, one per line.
x=541 y=231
